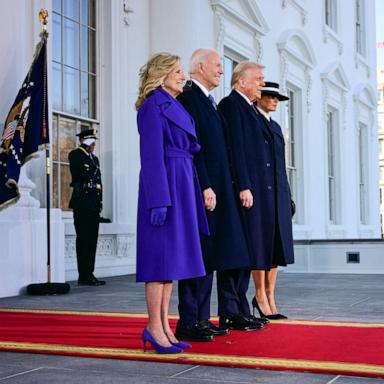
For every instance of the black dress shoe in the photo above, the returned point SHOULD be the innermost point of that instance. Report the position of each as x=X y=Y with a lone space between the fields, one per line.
x=277 y=316
x=207 y=326
x=192 y=333
x=240 y=323
x=263 y=320
x=92 y=281
x=100 y=282
x=256 y=322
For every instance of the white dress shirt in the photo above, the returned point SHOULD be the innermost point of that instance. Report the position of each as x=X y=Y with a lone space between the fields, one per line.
x=245 y=97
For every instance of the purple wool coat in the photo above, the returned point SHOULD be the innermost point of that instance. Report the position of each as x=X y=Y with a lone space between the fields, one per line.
x=168 y=179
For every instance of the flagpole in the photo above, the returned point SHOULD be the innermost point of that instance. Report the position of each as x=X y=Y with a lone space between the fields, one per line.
x=47 y=288
x=43 y=18
x=48 y=187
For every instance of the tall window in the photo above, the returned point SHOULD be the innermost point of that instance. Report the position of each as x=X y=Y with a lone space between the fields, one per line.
x=363 y=173
x=332 y=176
x=291 y=144
x=229 y=64
x=231 y=59
x=74 y=85
x=330 y=8
x=360 y=27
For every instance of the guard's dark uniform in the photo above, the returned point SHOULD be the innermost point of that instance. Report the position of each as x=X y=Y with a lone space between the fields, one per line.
x=86 y=202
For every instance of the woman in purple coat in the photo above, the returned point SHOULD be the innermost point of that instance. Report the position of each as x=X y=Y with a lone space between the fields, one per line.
x=170 y=207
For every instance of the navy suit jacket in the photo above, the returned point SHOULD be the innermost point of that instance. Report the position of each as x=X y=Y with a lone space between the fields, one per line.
x=226 y=248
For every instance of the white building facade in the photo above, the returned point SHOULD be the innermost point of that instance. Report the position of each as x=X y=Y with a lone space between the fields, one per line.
x=321 y=52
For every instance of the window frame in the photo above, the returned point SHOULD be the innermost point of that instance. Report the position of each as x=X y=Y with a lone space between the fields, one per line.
x=79 y=70
x=360 y=31
x=363 y=174
x=235 y=58
x=293 y=140
x=333 y=165
x=331 y=9
x=78 y=120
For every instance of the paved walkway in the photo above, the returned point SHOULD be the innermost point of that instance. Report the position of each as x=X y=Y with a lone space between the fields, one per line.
x=301 y=296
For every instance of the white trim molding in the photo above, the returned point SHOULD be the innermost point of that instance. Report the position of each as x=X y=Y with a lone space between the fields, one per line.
x=244 y=15
x=361 y=62
x=331 y=35
x=364 y=94
x=296 y=50
x=113 y=256
x=335 y=87
x=127 y=11
x=298 y=7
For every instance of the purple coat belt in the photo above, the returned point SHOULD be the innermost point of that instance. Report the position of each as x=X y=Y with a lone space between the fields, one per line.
x=200 y=208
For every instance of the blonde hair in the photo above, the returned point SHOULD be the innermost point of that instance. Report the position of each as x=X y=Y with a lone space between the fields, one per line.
x=240 y=70
x=152 y=74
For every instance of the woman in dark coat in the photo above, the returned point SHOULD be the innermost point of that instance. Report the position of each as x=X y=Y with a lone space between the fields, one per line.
x=170 y=207
x=281 y=214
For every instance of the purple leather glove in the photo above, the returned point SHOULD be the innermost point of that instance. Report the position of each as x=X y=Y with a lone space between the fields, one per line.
x=158 y=216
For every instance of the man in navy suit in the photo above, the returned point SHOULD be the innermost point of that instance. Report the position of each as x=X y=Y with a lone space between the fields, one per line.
x=258 y=153
x=225 y=250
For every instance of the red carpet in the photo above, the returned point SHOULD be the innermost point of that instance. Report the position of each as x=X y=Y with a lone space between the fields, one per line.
x=327 y=347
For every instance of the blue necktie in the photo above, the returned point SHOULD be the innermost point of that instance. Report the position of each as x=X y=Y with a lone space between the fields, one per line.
x=212 y=100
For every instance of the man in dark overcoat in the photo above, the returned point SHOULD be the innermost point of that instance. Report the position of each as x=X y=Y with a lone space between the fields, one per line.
x=257 y=148
x=86 y=202
x=225 y=250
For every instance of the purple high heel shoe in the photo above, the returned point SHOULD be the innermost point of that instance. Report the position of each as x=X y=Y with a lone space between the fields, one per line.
x=146 y=336
x=182 y=345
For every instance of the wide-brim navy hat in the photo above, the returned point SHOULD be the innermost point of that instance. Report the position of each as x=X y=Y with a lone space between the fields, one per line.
x=272 y=89
x=88 y=134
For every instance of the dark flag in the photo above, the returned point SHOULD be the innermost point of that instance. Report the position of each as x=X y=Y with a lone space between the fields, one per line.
x=26 y=126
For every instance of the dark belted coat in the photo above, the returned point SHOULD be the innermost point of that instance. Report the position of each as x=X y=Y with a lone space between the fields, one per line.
x=226 y=248
x=168 y=179
x=259 y=161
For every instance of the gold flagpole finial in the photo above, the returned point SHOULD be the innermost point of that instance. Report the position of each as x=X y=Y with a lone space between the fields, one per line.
x=43 y=18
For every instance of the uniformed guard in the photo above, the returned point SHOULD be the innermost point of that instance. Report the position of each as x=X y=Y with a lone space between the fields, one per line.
x=86 y=202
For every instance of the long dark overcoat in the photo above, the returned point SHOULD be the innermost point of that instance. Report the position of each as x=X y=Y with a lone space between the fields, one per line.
x=168 y=179
x=226 y=248
x=259 y=162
